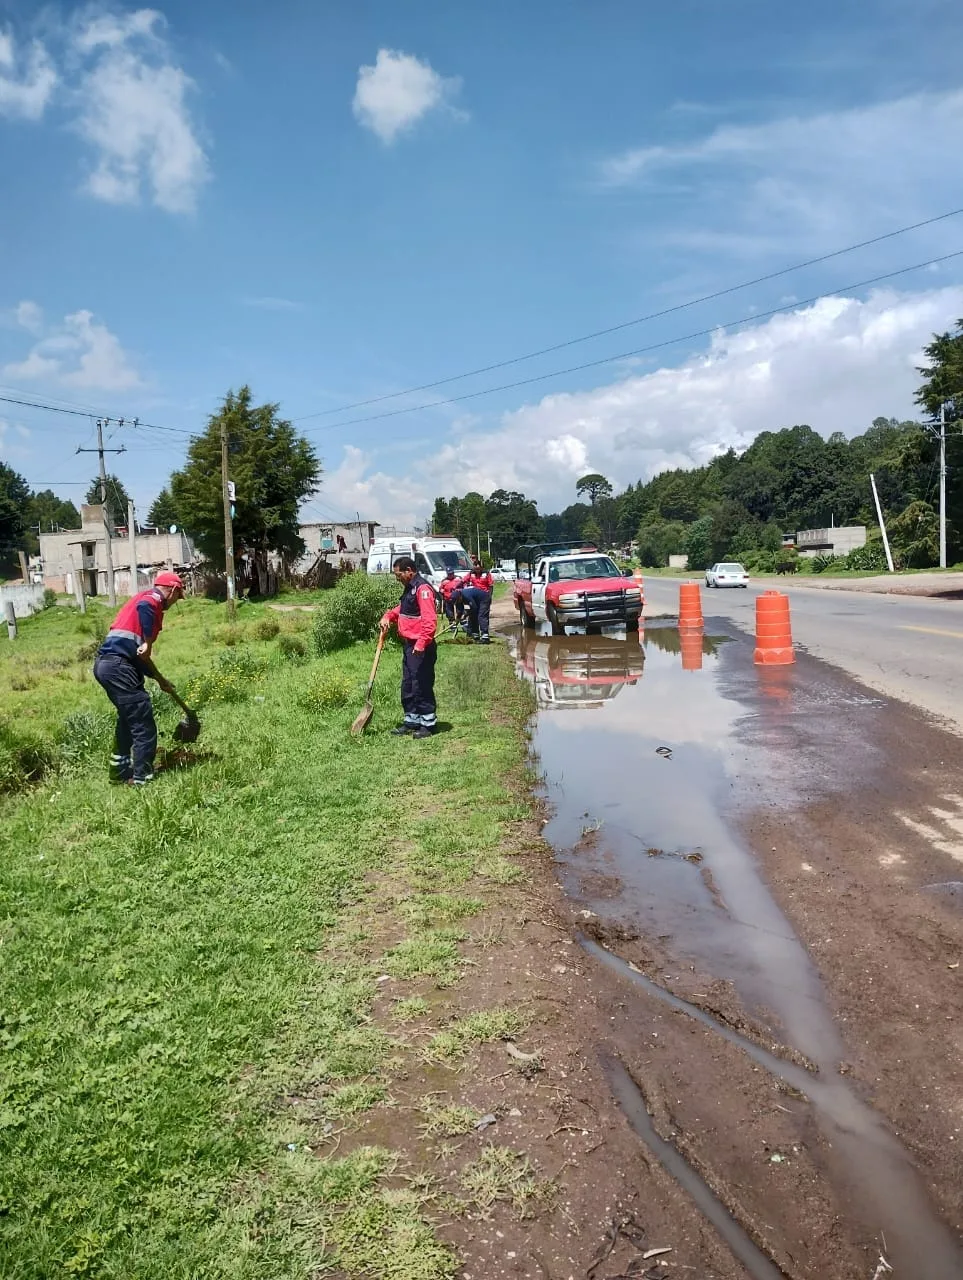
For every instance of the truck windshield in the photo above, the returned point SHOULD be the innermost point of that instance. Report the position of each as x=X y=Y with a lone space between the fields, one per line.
x=442 y=561
x=585 y=567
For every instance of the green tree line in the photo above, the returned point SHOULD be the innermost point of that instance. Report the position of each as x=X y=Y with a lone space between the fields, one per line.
x=739 y=505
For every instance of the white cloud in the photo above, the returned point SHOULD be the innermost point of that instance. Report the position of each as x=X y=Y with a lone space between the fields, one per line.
x=79 y=353
x=134 y=113
x=27 y=83
x=127 y=97
x=810 y=180
x=835 y=365
x=394 y=94
x=29 y=316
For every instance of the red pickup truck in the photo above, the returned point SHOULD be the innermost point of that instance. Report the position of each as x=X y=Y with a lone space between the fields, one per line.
x=573 y=584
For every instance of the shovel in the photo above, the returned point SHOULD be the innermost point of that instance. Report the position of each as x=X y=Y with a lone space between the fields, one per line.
x=363 y=719
x=187 y=729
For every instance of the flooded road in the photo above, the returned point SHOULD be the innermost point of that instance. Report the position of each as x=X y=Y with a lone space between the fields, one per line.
x=651 y=748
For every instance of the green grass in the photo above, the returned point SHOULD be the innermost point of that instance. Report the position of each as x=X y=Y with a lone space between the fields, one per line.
x=478 y=1028
x=179 y=961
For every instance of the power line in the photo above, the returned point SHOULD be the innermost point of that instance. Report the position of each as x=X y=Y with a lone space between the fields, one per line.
x=134 y=423
x=655 y=346
x=626 y=324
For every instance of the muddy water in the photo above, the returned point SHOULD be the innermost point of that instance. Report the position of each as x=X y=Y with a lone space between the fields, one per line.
x=643 y=747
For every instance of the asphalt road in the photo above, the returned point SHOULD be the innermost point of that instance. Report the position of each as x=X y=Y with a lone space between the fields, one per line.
x=906 y=647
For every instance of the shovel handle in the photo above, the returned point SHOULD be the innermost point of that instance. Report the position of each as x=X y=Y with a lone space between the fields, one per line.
x=172 y=693
x=374 y=665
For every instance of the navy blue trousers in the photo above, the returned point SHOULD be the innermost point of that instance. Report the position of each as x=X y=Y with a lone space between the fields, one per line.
x=418 y=685
x=479 y=610
x=136 y=732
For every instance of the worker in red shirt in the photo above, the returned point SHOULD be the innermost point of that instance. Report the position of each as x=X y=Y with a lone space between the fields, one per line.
x=122 y=662
x=414 y=617
x=476 y=589
x=452 y=602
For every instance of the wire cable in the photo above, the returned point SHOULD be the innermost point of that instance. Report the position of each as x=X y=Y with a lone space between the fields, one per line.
x=626 y=324
x=638 y=351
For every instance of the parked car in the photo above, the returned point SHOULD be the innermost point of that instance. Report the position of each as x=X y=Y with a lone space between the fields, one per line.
x=727 y=574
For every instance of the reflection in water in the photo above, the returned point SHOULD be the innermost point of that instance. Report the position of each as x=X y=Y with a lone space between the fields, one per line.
x=605 y=775
x=669 y=640
x=579 y=671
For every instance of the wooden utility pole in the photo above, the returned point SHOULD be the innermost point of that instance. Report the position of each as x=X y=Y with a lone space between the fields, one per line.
x=24 y=569
x=228 y=527
x=100 y=451
x=132 y=534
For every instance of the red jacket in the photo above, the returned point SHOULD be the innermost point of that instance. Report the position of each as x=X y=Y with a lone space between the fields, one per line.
x=415 y=615
x=448 y=585
x=480 y=581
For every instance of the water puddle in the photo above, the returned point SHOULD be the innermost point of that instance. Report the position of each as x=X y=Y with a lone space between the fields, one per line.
x=640 y=772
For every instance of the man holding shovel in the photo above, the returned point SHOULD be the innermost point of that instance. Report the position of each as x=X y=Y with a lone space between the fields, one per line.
x=122 y=662
x=415 y=618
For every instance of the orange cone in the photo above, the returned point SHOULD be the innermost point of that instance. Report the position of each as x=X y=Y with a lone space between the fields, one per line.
x=690 y=642
x=690 y=607
x=637 y=578
x=773 y=630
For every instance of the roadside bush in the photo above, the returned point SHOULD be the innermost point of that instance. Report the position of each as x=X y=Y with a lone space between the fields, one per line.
x=819 y=564
x=292 y=646
x=352 y=609
x=24 y=758
x=266 y=629
x=49 y=598
x=327 y=690
x=84 y=734
x=870 y=557
x=760 y=561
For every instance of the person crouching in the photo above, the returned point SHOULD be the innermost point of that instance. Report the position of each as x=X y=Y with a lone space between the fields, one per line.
x=414 y=617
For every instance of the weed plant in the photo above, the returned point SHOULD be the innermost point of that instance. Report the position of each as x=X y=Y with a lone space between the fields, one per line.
x=351 y=610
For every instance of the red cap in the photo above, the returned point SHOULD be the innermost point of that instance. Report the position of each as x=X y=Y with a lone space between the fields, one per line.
x=167 y=579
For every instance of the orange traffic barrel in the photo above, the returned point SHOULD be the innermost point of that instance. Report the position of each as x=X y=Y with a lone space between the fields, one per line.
x=773 y=630
x=637 y=578
x=690 y=642
x=690 y=607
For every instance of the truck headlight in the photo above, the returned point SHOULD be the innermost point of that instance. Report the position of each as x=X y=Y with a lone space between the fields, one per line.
x=569 y=600
x=633 y=593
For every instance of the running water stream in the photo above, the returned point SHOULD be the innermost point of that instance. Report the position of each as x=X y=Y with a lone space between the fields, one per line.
x=641 y=760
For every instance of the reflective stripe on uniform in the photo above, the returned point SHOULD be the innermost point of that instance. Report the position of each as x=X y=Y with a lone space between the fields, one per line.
x=127 y=635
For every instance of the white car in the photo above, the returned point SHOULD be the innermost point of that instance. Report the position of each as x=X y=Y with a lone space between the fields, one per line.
x=727 y=574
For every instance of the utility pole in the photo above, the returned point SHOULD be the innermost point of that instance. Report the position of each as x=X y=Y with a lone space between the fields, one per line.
x=228 y=526
x=100 y=451
x=882 y=523
x=942 y=486
x=132 y=534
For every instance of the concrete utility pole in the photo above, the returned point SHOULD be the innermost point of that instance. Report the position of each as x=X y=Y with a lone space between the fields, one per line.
x=942 y=486
x=100 y=451
x=132 y=534
x=228 y=527
x=78 y=581
x=882 y=523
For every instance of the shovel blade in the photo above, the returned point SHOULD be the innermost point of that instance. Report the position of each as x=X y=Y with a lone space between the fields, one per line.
x=363 y=719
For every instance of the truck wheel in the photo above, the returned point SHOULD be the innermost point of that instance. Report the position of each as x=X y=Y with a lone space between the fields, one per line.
x=523 y=617
x=558 y=628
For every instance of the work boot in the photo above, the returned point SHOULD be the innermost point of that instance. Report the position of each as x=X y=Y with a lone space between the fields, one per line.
x=485 y=640
x=140 y=782
x=425 y=731
x=120 y=769
x=402 y=729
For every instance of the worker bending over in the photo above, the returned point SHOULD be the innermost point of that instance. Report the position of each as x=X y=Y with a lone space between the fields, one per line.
x=476 y=589
x=415 y=617
x=122 y=662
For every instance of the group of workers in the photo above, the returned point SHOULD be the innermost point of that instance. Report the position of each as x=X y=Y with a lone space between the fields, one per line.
x=467 y=601
x=124 y=658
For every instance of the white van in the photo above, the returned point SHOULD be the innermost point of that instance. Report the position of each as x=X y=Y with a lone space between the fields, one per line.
x=432 y=556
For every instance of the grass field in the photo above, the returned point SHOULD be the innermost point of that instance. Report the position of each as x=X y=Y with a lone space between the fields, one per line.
x=188 y=971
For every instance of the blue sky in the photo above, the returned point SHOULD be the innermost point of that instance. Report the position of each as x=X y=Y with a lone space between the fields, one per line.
x=336 y=202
